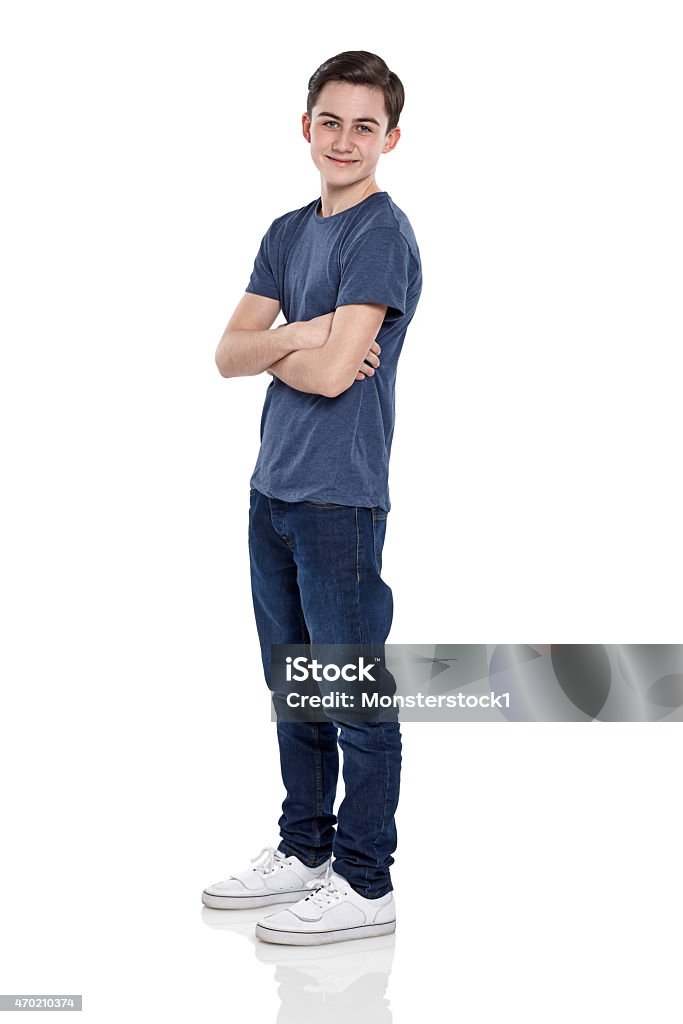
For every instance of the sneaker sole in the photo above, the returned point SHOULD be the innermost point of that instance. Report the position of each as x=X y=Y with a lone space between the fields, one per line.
x=245 y=902
x=364 y=931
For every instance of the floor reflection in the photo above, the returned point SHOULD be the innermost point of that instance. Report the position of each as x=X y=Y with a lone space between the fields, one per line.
x=331 y=984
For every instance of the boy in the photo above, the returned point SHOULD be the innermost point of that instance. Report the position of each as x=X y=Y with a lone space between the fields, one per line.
x=346 y=272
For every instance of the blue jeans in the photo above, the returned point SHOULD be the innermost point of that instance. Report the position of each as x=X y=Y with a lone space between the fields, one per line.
x=315 y=577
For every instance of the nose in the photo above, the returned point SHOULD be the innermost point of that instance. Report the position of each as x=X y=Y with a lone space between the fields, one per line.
x=344 y=142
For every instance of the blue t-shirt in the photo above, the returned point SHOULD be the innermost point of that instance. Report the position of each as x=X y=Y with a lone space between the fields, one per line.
x=336 y=449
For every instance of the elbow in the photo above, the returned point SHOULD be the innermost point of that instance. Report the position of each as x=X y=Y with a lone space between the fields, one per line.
x=334 y=385
x=223 y=362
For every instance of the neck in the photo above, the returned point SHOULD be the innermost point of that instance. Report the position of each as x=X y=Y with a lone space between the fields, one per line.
x=335 y=199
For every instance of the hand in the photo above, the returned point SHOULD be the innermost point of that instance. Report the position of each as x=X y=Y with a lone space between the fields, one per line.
x=372 y=359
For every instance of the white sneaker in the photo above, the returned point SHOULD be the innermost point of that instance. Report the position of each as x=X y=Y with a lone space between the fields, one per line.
x=276 y=879
x=333 y=913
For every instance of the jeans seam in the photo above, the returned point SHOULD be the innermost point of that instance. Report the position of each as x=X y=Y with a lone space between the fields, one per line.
x=359 y=603
x=384 y=803
x=319 y=788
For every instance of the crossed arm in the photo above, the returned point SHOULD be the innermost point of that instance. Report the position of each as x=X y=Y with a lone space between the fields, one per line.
x=322 y=356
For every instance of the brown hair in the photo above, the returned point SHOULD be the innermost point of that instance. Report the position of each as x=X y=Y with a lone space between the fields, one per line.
x=360 y=68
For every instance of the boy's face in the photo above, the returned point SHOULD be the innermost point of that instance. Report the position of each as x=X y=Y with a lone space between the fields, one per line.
x=345 y=150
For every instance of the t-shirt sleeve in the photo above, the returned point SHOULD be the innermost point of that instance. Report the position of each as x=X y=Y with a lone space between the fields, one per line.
x=262 y=280
x=375 y=268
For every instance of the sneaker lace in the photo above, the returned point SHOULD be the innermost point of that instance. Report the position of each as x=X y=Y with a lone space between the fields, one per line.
x=271 y=860
x=327 y=890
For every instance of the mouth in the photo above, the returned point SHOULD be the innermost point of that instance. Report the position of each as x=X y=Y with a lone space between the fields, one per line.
x=342 y=163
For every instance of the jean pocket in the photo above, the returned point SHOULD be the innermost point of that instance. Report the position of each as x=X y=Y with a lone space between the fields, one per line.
x=379 y=532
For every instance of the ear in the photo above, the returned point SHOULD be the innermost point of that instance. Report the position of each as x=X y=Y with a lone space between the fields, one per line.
x=391 y=140
x=306 y=127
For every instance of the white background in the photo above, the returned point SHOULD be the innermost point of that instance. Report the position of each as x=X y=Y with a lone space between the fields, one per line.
x=535 y=488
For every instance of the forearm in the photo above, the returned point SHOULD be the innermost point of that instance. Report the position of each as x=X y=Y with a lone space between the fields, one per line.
x=306 y=370
x=245 y=353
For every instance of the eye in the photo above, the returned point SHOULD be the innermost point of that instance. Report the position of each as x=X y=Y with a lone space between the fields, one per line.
x=366 y=129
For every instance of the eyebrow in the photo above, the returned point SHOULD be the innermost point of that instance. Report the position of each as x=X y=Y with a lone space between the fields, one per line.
x=326 y=113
